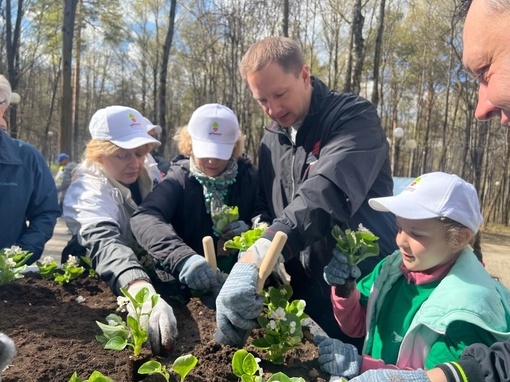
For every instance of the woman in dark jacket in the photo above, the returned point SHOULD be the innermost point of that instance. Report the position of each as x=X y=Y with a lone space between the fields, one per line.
x=211 y=173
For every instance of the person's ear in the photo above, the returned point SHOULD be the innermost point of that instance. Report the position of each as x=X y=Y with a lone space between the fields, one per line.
x=463 y=238
x=305 y=74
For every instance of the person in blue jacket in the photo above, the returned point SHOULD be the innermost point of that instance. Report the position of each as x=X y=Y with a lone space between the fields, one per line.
x=28 y=196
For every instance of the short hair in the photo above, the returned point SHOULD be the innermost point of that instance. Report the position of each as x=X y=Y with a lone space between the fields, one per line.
x=492 y=5
x=5 y=90
x=281 y=50
x=96 y=149
x=184 y=143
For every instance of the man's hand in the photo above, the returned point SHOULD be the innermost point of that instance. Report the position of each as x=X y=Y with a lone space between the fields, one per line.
x=238 y=304
x=197 y=274
x=234 y=229
x=338 y=271
x=162 y=325
x=337 y=358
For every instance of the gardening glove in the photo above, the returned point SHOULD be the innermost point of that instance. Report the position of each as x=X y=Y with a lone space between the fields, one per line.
x=259 y=250
x=337 y=271
x=337 y=358
x=234 y=229
x=384 y=375
x=197 y=274
x=238 y=304
x=162 y=325
x=7 y=351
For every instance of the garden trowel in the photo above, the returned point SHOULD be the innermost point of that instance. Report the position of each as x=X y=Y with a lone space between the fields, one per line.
x=209 y=300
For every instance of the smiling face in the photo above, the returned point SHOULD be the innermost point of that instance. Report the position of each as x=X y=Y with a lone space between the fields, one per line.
x=282 y=95
x=424 y=243
x=487 y=56
x=125 y=165
x=211 y=166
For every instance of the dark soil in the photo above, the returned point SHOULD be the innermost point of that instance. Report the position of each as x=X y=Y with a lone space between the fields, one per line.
x=55 y=336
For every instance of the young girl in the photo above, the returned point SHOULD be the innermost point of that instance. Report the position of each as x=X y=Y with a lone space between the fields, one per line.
x=424 y=304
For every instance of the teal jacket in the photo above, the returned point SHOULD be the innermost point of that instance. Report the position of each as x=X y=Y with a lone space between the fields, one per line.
x=467 y=293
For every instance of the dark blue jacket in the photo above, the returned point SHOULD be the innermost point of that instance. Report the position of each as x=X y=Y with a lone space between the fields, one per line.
x=28 y=197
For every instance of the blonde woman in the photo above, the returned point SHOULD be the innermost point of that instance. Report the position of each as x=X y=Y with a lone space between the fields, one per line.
x=211 y=173
x=111 y=182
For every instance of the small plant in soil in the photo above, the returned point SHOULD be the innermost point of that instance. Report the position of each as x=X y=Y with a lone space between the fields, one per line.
x=182 y=366
x=281 y=323
x=12 y=263
x=246 y=239
x=246 y=367
x=72 y=269
x=118 y=334
x=357 y=246
x=96 y=376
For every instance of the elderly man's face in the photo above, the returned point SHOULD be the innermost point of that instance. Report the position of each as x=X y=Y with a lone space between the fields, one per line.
x=487 y=57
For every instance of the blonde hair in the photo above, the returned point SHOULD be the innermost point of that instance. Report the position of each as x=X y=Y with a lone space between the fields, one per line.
x=184 y=143
x=281 y=50
x=96 y=149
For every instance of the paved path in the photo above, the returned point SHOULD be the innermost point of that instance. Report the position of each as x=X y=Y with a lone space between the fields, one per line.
x=496 y=257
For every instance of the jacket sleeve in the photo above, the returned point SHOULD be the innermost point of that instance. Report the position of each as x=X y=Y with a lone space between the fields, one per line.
x=42 y=210
x=351 y=161
x=480 y=363
x=93 y=213
x=152 y=228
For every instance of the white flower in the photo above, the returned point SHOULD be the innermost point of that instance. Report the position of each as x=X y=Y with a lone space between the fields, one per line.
x=271 y=325
x=72 y=260
x=361 y=228
x=122 y=302
x=14 y=250
x=80 y=299
x=283 y=292
x=10 y=263
x=292 y=327
x=112 y=323
x=47 y=260
x=278 y=314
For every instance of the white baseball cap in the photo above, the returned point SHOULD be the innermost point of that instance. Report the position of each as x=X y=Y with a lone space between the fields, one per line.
x=214 y=130
x=150 y=126
x=432 y=195
x=122 y=126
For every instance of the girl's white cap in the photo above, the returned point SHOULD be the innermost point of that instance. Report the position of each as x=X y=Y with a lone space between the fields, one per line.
x=433 y=195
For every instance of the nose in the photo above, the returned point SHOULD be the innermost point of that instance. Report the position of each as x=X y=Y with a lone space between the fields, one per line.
x=485 y=109
x=134 y=161
x=273 y=108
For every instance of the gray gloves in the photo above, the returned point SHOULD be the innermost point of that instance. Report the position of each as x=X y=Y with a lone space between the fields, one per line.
x=162 y=325
x=234 y=229
x=338 y=271
x=337 y=358
x=238 y=305
x=197 y=274
x=7 y=352
x=384 y=375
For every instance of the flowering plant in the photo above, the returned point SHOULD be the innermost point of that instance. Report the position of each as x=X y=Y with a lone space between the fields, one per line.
x=281 y=323
x=72 y=269
x=47 y=266
x=356 y=245
x=12 y=263
x=118 y=334
x=246 y=367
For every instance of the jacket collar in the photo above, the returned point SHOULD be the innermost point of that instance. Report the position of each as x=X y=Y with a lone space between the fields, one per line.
x=9 y=150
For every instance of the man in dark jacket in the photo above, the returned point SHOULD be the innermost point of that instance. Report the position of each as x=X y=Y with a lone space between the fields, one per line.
x=323 y=156
x=28 y=196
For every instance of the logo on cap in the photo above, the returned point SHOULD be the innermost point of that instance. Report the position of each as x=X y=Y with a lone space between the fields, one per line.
x=215 y=128
x=132 y=117
x=410 y=188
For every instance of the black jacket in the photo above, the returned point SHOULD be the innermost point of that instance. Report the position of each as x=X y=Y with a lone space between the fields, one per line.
x=172 y=220
x=339 y=161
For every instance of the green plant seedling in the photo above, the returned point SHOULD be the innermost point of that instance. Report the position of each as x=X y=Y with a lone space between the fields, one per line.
x=12 y=263
x=245 y=366
x=96 y=376
x=356 y=245
x=151 y=367
x=224 y=216
x=184 y=364
x=246 y=239
x=47 y=266
x=72 y=269
x=281 y=377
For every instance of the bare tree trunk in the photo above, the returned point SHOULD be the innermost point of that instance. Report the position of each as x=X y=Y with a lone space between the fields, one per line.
x=66 y=121
x=12 y=48
x=358 y=47
x=45 y=150
x=75 y=133
x=378 y=53
x=163 y=75
x=285 y=26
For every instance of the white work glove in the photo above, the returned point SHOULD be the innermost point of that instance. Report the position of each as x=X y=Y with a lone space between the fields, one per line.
x=162 y=325
x=7 y=351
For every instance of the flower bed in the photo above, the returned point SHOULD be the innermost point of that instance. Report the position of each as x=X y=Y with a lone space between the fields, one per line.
x=54 y=329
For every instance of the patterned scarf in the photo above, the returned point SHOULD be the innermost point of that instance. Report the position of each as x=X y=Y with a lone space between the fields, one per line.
x=216 y=188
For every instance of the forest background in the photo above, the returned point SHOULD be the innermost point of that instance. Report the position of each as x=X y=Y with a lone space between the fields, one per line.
x=68 y=58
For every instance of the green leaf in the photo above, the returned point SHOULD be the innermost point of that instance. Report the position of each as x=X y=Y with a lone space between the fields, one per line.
x=261 y=343
x=279 y=377
x=116 y=343
x=237 y=362
x=149 y=367
x=96 y=376
x=75 y=378
x=184 y=364
x=250 y=365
